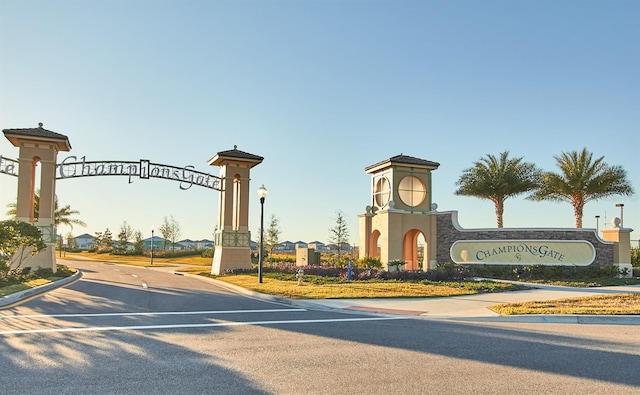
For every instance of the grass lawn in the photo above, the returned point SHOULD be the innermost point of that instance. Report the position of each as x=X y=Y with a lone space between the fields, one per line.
x=323 y=288
x=617 y=304
x=319 y=288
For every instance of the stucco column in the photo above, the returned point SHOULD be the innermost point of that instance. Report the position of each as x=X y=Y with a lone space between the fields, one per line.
x=38 y=148
x=232 y=237
x=621 y=238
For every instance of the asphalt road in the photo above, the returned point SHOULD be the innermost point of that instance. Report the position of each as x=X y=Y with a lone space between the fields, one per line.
x=130 y=330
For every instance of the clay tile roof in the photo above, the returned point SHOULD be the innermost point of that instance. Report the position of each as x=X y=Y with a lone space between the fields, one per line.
x=36 y=133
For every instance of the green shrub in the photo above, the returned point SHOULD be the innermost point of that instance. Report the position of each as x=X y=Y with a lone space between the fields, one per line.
x=174 y=253
x=368 y=262
x=396 y=264
x=542 y=272
x=635 y=257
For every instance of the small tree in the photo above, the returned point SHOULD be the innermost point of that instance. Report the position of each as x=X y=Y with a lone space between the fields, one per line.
x=126 y=233
x=138 y=243
x=272 y=238
x=339 y=234
x=103 y=240
x=170 y=231
x=72 y=244
x=18 y=241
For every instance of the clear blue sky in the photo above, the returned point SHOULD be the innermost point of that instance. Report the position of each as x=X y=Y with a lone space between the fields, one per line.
x=321 y=90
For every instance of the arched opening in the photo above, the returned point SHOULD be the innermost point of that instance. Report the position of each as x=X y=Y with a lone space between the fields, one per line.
x=374 y=248
x=413 y=245
x=236 y=202
x=35 y=180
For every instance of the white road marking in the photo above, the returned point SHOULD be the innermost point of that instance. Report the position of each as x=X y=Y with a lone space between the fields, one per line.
x=179 y=326
x=148 y=314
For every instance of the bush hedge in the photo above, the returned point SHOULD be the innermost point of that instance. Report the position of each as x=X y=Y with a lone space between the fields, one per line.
x=444 y=272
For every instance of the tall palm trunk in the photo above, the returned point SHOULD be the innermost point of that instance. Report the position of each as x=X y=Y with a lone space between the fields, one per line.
x=577 y=211
x=499 y=205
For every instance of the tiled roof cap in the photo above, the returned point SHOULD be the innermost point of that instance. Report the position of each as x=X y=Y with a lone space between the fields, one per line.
x=235 y=153
x=405 y=160
x=38 y=133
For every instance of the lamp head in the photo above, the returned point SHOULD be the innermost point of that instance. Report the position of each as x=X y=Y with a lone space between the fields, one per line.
x=262 y=192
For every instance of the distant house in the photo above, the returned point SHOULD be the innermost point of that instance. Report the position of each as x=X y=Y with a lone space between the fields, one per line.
x=318 y=246
x=345 y=247
x=158 y=243
x=204 y=244
x=84 y=241
x=128 y=246
x=189 y=244
x=285 y=246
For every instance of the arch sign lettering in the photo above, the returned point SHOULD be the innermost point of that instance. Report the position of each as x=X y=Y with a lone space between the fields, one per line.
x=71 y=167
x=523 y=252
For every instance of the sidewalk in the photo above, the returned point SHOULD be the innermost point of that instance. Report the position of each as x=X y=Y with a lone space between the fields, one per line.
x=475 y=307
x=463 y=308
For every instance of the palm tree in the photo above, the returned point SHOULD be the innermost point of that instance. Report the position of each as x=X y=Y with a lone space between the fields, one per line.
x=496 y=179
x=581 y=180
x=62 y=215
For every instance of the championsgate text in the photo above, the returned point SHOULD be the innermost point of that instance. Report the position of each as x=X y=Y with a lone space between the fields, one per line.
x=187 y=176
x=540 y=251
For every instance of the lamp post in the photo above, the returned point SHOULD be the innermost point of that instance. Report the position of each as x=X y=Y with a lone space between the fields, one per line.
x=262 y=194
x=621 y=220
x=152 y=230
x=597 y=223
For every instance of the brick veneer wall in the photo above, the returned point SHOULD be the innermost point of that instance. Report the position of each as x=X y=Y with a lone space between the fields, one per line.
x=448 y=233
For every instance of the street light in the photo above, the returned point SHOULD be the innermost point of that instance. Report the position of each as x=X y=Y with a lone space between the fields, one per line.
x=262 y=194
x=621 y=221
x=597 y=223
x=152 y=230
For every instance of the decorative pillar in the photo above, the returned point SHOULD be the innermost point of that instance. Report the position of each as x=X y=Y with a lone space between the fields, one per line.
x=38 y=147
x=232 y=236
x=621 y=238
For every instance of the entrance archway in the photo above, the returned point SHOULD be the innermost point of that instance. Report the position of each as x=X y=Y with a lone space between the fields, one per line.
x=411 y=251
x=38 y=145
x=374 y=240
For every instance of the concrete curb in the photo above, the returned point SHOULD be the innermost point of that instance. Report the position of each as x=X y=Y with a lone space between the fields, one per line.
x=552 y=319
x=29 y=293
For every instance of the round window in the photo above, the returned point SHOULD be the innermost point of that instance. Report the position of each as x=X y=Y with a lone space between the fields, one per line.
x=411 y=191
x=382 y=192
